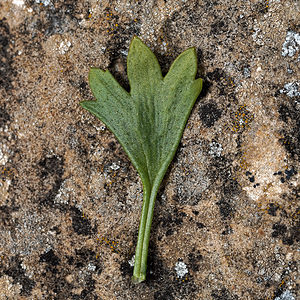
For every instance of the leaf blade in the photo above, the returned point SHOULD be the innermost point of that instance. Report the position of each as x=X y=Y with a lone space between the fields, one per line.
x=143 y=70
x=148 y=122
x=109 y=110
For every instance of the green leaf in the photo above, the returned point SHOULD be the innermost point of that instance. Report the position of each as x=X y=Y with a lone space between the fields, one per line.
x=148 y=122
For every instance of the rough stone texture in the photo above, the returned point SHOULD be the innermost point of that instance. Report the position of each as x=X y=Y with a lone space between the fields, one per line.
x=226 y=224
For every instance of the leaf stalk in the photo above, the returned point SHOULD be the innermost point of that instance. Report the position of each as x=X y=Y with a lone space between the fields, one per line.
x=141 y=254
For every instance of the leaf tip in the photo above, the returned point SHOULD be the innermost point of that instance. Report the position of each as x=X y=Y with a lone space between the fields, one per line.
x=136 y=42
x=191 y=51
x=136 y=39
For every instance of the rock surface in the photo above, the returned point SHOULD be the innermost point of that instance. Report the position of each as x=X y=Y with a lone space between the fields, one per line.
x=226 y=224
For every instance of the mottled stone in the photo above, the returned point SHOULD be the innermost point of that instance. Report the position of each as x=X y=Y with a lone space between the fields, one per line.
x=226 y=221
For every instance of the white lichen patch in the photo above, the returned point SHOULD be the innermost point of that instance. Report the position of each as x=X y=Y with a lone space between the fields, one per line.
x=291 y=44
x=29 y=235
x=115 y=166
x=18 y=2
x=291 y=89
x=100 y=128
x=44 y=2
x=91 y=267
x=124 y=52
x=64 y=46
x=257 y=36
x=215 y=149
x=181 y=269
x=286 y=295
x=247 y=72
x=57 y=44
x=131 y=261
x=65 y=193
x=3 y=154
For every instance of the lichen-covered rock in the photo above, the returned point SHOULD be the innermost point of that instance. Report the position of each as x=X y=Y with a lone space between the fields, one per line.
x=226 y=221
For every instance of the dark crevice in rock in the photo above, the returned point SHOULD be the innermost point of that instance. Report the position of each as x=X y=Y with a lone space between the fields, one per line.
x=7 y=72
